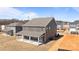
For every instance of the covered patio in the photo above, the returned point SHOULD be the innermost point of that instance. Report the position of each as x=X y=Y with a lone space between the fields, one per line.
x=31 y=37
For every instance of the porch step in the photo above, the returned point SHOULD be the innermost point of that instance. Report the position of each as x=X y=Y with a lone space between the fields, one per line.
x=32 y=42
x=19 y=39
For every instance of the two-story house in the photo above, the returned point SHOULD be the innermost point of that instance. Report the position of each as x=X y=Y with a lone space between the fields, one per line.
x=38 y=30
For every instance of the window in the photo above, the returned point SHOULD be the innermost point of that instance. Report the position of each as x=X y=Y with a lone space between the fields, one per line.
x=26 y=37
x=49 y=27
x=34 y=39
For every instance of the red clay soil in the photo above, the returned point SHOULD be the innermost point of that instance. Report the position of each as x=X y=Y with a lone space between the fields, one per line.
x=67 y=42
x=70 y=42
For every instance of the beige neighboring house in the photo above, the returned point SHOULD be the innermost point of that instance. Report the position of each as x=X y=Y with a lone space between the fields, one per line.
x=3 y=27
x=38 y=30
x=66 y=25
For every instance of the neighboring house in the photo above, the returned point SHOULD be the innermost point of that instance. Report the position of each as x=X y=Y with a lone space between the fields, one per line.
x=77 y=25
x=4 y=22
x=65 y=25
x=39 y=30
x=13 y=28
x=73 y=31
x=62 y=25
x=59 y=25
x=3 y=27
x=74 y=27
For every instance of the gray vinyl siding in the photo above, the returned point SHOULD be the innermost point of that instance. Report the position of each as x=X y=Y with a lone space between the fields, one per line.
x=14 y=28
x=34 y=28
x=51 y=26
x=51 y=32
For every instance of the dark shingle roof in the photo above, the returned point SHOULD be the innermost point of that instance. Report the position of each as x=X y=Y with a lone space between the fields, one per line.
x=31 y=33
x=39 y=22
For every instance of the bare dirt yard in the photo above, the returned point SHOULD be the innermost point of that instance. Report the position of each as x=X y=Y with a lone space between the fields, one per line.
x=70 y=42
x=67 y=42
x=9 y=43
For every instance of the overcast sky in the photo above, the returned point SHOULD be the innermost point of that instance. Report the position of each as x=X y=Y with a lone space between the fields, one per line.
x=59 y=13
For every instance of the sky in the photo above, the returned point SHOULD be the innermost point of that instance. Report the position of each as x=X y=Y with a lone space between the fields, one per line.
x=24 y=13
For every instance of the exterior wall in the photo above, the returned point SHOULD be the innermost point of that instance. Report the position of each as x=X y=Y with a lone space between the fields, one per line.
x=51 y=30
x=34 y=28
x=15 y=29
x=42 y=38
x=38 y=29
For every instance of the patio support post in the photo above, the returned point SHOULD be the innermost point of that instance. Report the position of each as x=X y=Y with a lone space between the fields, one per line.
x=29 y=37
x=38 y=40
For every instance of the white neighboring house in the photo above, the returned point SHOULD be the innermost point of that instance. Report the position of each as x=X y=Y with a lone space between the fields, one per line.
x=59 y=25
x=73 y=30
x=3 y=27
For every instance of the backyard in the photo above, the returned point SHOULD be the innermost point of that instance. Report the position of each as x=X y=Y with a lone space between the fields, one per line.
x=65 y=42
x=9 y=43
